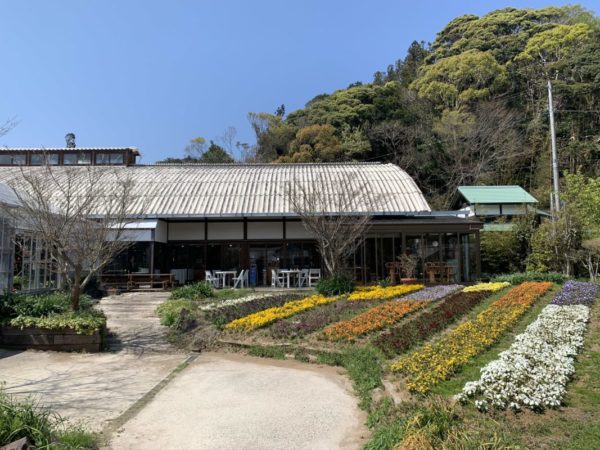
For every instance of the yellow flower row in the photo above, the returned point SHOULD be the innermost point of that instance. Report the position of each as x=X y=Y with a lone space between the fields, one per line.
x=491 y=287
x=384 y=293
x=435 y=362
x=266 y=316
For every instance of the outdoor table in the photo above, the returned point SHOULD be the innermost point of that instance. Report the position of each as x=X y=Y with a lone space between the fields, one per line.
x=222 y=274
x=287 y=273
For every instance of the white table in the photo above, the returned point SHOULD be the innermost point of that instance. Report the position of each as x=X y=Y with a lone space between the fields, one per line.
x=287 y=273
x=222 y=274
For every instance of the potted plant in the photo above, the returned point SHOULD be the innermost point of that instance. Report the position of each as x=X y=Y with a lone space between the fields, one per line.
x=409 y=266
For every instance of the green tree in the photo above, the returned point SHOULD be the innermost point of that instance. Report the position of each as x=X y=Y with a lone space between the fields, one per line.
x=314 y=143
x=215 y=155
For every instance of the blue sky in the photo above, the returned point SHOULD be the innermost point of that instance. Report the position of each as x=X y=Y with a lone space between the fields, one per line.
x=155 y=74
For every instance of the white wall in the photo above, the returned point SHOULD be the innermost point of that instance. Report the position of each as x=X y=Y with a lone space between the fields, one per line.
x=186 y=231
x=296 y=230
x=265 y=230
x=225 y=230
x=160 y=233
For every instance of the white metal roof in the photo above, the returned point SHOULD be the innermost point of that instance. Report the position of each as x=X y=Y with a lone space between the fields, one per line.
x=251 y=190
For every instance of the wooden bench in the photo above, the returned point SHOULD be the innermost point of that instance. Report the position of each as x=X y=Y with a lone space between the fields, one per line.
x=151 y=280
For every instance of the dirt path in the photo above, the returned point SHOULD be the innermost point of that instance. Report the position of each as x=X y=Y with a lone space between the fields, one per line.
x=233 y=401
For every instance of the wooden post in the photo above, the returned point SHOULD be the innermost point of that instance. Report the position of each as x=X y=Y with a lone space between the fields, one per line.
x=477 y=256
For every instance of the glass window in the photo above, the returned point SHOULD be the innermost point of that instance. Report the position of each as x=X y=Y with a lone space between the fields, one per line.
x=81 y=158
x=15 y=159
x=109 y=158
x=38 y=159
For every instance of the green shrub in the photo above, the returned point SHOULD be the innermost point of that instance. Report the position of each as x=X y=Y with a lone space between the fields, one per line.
x=194 y=291
x=43 y=429
x=39 y=305
x=335 y=285
x=518 y=278
x=169 y=311
x=82 y=322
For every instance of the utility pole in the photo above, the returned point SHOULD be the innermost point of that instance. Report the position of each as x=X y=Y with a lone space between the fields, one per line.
x=554 y=155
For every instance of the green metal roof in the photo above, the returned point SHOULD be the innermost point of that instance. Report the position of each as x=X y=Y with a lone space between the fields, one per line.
x=496 y=194
x=498 y=226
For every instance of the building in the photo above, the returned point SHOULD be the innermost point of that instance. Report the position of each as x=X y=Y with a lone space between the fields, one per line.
x=491 y=203
x=192 y=218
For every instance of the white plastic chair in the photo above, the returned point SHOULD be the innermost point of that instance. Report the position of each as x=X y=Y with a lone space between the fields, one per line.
x=303 y=277
x=208 y=276
x=241 y=280
x=277 y=279
x=314 y=275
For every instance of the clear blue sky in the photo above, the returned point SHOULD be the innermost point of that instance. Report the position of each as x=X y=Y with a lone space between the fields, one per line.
x=155 y=74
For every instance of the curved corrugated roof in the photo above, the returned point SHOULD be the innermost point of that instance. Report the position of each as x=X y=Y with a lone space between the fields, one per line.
x=246 y=190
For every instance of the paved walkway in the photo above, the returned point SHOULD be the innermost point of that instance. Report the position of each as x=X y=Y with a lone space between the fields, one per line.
x=232 y=401
x=132 y=325
x=99 y=387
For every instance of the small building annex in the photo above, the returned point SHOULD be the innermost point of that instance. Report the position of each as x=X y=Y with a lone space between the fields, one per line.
x=237 y=216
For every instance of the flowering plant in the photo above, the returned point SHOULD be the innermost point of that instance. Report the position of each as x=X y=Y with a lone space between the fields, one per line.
x=435 y=362
x=433 y=292
x=577 y=293
x=403 y=336
x=491 y=287
x=384 y=293
x=267 y=316
x=374 y=319
x=534 y=371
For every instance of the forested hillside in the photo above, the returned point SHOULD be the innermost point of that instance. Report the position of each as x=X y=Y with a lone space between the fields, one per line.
x=469 y=108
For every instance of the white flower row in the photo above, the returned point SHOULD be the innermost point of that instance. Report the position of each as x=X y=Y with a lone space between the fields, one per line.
x=534 y=371
x=216 y=304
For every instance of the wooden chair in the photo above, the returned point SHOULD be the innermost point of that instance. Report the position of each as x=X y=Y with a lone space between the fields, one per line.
x=277 y=279
x=314 y=276
x=241 y=280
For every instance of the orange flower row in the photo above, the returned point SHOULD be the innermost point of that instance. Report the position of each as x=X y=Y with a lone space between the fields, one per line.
x=374 y=319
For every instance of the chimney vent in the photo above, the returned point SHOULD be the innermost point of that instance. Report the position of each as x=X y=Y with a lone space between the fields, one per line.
x=70 y=138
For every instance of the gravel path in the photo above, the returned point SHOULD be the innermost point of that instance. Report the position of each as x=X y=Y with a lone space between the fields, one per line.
x=232 y=401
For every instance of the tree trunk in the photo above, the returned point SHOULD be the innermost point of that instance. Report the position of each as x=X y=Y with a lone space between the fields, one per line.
x=75 y=291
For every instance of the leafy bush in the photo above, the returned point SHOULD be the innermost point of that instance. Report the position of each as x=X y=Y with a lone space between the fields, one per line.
x=39 y=305
x=194 y=291
x=226 y=314
x=336 y=285
x=518 y=278
x=169 y=311
x=82 y=322
x=43 y=429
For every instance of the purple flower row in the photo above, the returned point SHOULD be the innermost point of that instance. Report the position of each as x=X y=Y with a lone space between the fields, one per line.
x=433 y=292
x=577 y=293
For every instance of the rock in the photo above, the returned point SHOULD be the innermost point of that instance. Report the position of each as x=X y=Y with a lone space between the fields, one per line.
x=21 y=444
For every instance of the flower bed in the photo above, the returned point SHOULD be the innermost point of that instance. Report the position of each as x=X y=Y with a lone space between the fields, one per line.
x=228 y=313
x=535 y=370
x=401 y=338
x=435 y=362
x=374 y=319
x=315 y=319
x=384 y=293
x=577 y=293
x=490 y=287
x=433 y=293
x=262 y=318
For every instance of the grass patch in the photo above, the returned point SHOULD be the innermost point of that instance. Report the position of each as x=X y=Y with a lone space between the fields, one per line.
x=230 y=294
x=363 y=365
x=267 y=352
x=44 y=429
